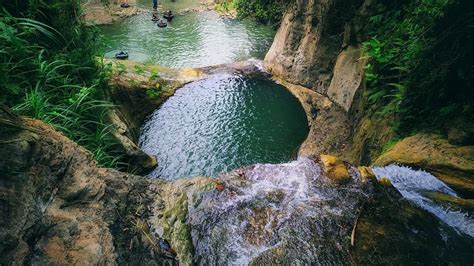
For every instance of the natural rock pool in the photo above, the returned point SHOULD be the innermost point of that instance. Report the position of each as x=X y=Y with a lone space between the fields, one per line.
x=224 y=122
x=192 y=39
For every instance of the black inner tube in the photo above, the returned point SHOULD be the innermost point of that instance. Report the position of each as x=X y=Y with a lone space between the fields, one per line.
x=121 y=55
x=162 y=24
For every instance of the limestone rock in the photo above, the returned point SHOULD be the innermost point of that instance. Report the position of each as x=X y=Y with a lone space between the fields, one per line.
x=329 y=124
x=452 y=164
x=335 y=169
x=58 y=207
x=309 y=40
x=138 y=160
x=366 y=173
x=347 y=77
x=173 y=203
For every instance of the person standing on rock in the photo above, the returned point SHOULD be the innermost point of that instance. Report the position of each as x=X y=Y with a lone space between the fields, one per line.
x=155 y=4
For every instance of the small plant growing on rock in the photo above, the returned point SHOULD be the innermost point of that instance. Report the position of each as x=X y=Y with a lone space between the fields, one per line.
x=139 y=70
x=384 y=181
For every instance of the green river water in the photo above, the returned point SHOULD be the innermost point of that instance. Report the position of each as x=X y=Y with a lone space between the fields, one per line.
x=219 y=123
x=192 y=39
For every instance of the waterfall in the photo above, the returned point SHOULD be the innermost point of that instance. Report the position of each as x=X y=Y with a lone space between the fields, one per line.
x=286 y=207
x=413 y=183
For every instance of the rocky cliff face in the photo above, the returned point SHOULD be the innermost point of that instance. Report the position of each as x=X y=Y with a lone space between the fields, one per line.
x=311 y=36
x=59 y=208
x=318 y=46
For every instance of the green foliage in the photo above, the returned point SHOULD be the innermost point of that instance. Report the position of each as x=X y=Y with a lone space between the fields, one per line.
x=264 y=11
x=415 y=49
x=390 y=144
x=139 y=70
x=153 y=92
x=50 y=73
x=225 y=6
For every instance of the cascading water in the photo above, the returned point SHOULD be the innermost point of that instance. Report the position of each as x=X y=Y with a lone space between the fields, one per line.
x=412 y=184
x=292 y=213
x=287 y=207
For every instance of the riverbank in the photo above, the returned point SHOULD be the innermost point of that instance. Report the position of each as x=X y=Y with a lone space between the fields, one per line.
x=100 y=13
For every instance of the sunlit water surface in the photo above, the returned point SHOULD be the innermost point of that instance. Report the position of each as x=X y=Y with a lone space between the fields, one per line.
x=221 y=123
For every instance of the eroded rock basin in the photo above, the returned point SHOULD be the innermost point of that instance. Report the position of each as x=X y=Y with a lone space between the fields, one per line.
x=223 y=122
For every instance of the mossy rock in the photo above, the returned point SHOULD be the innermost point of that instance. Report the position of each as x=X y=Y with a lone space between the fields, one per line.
x=335 y=169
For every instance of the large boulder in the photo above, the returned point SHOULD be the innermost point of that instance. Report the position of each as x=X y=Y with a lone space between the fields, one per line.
x=58 y=207
x=451 y=163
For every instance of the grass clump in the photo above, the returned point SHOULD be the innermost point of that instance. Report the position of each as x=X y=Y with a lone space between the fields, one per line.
x=48 y=71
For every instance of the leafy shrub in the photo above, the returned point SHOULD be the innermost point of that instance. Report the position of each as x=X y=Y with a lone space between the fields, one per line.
x=50 y=73
x=264 y=11
x=418 y=50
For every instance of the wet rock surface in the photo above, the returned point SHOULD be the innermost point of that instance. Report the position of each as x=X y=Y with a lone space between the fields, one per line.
x=292 y=213
x=453 y=164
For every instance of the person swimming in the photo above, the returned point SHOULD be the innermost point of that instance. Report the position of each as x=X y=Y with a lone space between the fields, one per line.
x=168 y=15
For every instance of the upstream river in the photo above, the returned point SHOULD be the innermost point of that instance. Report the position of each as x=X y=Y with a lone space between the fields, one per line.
x=192 y=39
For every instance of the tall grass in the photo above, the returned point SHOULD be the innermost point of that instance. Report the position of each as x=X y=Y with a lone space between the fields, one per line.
x=43 y=75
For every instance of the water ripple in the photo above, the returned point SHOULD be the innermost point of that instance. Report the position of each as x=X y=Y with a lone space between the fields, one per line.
x=221 y=123
x=191 y=40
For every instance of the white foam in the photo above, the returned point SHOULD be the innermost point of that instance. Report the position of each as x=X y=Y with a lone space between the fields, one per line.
x=412 y=184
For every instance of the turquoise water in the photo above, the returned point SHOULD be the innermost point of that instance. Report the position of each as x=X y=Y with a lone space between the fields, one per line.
x=193 y=39
x=221 y=123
